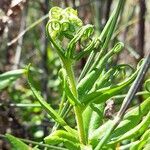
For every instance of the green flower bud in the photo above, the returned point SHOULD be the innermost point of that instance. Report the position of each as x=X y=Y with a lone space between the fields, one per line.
x=63 y=22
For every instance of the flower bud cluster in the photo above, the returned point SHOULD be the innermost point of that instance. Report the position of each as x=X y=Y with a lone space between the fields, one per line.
x=63 y=23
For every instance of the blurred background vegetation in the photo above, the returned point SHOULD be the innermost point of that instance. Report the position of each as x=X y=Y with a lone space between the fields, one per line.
x=23 y=41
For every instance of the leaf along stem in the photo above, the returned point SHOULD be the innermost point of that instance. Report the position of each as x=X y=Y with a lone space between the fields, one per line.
x=47 y=107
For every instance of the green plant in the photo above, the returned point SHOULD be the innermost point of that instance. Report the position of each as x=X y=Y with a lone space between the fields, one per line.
x=97 y=84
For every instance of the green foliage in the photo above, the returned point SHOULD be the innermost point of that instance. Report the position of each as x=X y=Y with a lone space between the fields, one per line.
x=16 y=143
x=46 y=106
x=8 y=77
x=70 y=141
x=96 y=85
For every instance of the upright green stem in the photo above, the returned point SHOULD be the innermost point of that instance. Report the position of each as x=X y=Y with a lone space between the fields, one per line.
x=77 y=109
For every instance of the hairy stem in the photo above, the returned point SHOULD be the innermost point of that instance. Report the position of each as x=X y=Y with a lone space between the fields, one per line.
x=77 y=109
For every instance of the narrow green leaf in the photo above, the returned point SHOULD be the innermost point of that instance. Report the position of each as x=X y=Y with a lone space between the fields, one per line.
x=16 y=143
x=47 y=107
x=86 y=84
x=130 y=120
x=60 y=136
x=136 y=131
x=128 y=146
x=68 y=92
x=104 y=79
x=8 y=77
x=13 y=73
x=86 y=50
x=92 y=118
x=96 y=117
x=86 y=115
x=106 y=34
x=142 y=142
x=104 y=94
x=84 y=31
